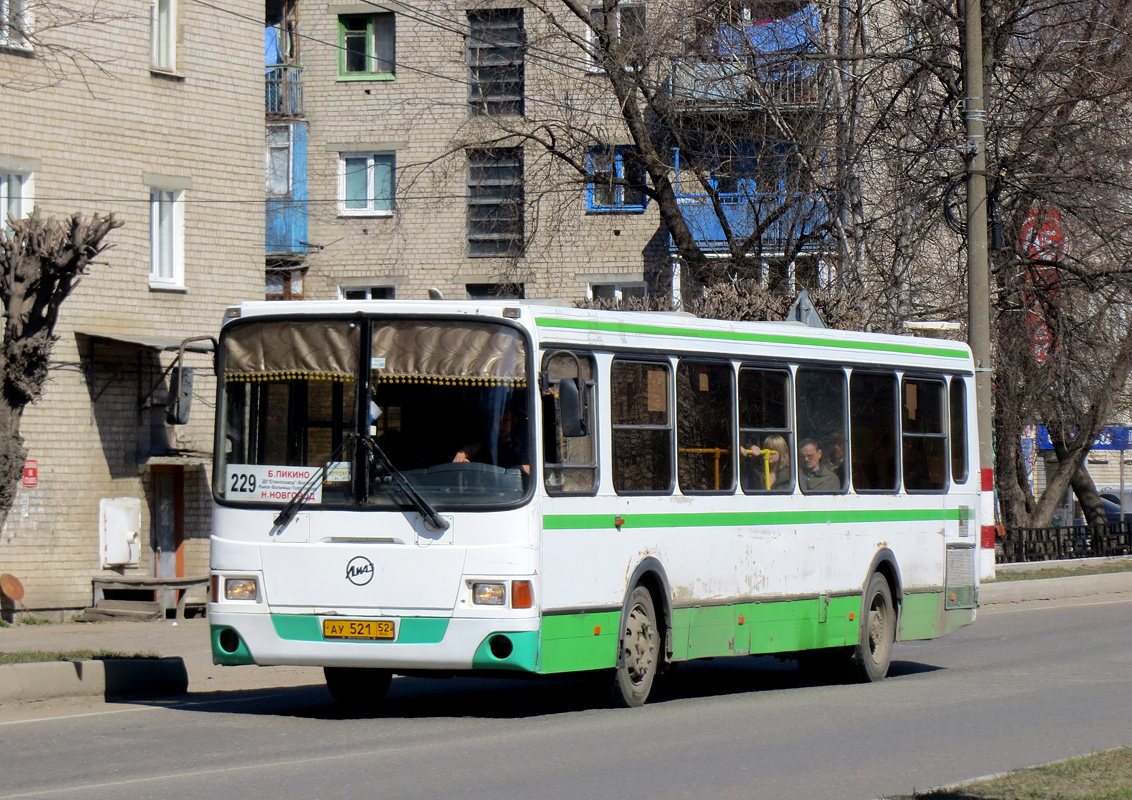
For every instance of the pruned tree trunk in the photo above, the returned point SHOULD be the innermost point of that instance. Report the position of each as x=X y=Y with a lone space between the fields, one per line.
x=41 y=263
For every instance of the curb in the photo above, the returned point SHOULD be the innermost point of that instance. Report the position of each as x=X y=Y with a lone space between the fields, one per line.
x=1054 y=588
x=109 y=678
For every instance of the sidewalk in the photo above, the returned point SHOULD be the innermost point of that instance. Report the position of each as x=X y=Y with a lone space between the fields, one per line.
x=186 y=650
x=185 y=643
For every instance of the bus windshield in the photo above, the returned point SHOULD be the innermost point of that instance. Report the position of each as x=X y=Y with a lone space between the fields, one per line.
x=332 y=408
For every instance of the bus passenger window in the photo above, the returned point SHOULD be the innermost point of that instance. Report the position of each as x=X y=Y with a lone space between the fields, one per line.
x=642 y=427
x=872 y=420
x=820 y=415
x=705 y=460
x=765 y=439
x=958 y=436
x=570 y=465
x=925 y=442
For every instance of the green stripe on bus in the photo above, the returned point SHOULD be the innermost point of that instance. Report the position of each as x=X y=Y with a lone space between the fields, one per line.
x=410 y=630
x=577 y=642
x=588 y=640
x=736 y=336
x=755 y=518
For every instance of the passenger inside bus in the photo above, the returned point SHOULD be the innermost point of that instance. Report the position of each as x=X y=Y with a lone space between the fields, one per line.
x=769 y=467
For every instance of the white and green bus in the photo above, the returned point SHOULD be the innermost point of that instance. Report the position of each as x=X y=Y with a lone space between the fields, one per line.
x=482 y=487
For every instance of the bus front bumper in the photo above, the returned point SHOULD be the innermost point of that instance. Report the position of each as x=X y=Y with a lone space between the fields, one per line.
x=440 y=643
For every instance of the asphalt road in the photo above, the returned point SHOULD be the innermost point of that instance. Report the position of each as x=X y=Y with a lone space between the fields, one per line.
x=1028 y=683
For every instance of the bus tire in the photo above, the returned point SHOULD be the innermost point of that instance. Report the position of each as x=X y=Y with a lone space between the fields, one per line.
x=640 y=652
x=358 y=689
x=873 y=654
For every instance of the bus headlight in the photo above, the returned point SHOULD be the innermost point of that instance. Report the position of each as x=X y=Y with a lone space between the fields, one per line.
x=241 y=589
x=489 y=594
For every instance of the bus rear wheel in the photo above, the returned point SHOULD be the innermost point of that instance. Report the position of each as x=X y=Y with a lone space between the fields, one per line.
x=873 y=654
x=640 y=652
x=358 y=689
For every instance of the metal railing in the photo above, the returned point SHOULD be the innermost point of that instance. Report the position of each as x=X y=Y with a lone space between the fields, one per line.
x=283 y=90
x=720 y=84
x=1073 y=541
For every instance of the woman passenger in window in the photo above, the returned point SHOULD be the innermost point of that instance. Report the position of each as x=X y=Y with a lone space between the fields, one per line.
x=771 y=468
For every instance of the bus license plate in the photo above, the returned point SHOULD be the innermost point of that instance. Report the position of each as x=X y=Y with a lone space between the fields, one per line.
x=370 y=629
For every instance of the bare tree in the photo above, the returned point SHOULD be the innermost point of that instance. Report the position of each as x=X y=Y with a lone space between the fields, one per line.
x=41 y=262
x=47 y=29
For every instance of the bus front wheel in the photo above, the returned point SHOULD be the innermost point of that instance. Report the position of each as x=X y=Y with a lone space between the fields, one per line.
x=358 y=689
x=873 y=654
x=640 y=652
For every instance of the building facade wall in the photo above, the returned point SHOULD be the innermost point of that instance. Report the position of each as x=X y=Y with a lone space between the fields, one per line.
x=99 y=134
x=422 y=115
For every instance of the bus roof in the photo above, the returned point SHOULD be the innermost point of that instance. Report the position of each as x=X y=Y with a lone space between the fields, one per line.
x=553 y=323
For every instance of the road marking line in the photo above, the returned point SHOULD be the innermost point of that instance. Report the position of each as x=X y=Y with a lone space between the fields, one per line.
x=171 y=707
x=987 y=610
x=196 y=773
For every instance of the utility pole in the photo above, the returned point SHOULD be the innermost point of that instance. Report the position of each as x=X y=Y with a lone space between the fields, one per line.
x=978 y=265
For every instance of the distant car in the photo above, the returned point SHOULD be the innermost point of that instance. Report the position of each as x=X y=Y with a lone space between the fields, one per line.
x=1111 y=503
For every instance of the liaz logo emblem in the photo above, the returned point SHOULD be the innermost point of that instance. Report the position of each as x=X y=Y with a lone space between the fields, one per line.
x=359 y=571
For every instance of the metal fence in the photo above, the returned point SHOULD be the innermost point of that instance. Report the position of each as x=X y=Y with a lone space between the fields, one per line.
x=1073 y=541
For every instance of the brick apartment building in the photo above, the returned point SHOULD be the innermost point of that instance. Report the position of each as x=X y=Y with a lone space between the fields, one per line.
x=153 y=114
x=401 y=156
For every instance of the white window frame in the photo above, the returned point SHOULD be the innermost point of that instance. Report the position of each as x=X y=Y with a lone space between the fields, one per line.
x=619 y=288
x=290 y=148
x=591 y=36
x=163 y=36
x=16 y=192
x=166 y=238
x=371 y=209
x=16 y=21
x=368 y=290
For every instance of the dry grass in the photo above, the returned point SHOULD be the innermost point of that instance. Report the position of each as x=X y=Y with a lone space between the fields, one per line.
x=39 y=656
x=1064 y=572
x=1100 y=776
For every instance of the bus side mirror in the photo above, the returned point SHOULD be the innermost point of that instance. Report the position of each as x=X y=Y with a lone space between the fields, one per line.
x=180 y=396
x=570 y=408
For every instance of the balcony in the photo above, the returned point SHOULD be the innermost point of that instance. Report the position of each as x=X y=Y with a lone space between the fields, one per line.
x=283 y=90
x=797 y=228
x=728 y=85
x=752 y=65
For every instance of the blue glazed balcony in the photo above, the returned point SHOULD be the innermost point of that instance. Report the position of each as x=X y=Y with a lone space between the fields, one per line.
x=797 y=227
x=286 y=225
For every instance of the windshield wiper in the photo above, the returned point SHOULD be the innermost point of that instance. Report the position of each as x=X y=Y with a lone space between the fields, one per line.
x=303 y=496
x=431 y=519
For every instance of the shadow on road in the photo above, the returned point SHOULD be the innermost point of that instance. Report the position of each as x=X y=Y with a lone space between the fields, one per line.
x=514 y=698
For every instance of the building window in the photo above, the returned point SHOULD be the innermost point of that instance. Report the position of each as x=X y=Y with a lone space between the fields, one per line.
x=495 y=47
x=495 y=202
x=15 y=24
x=163 y=35
x=368 y=292
x=366 y=46
x=617 y=291
x=15 y=198
x=278 y=160
x=167 y=239
x=366 y=184
x=284 y=283
x=618 y=179
x=495 y=291
x=625 y=32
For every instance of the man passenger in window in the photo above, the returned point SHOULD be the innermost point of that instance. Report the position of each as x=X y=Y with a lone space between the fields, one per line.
x=815 y=476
